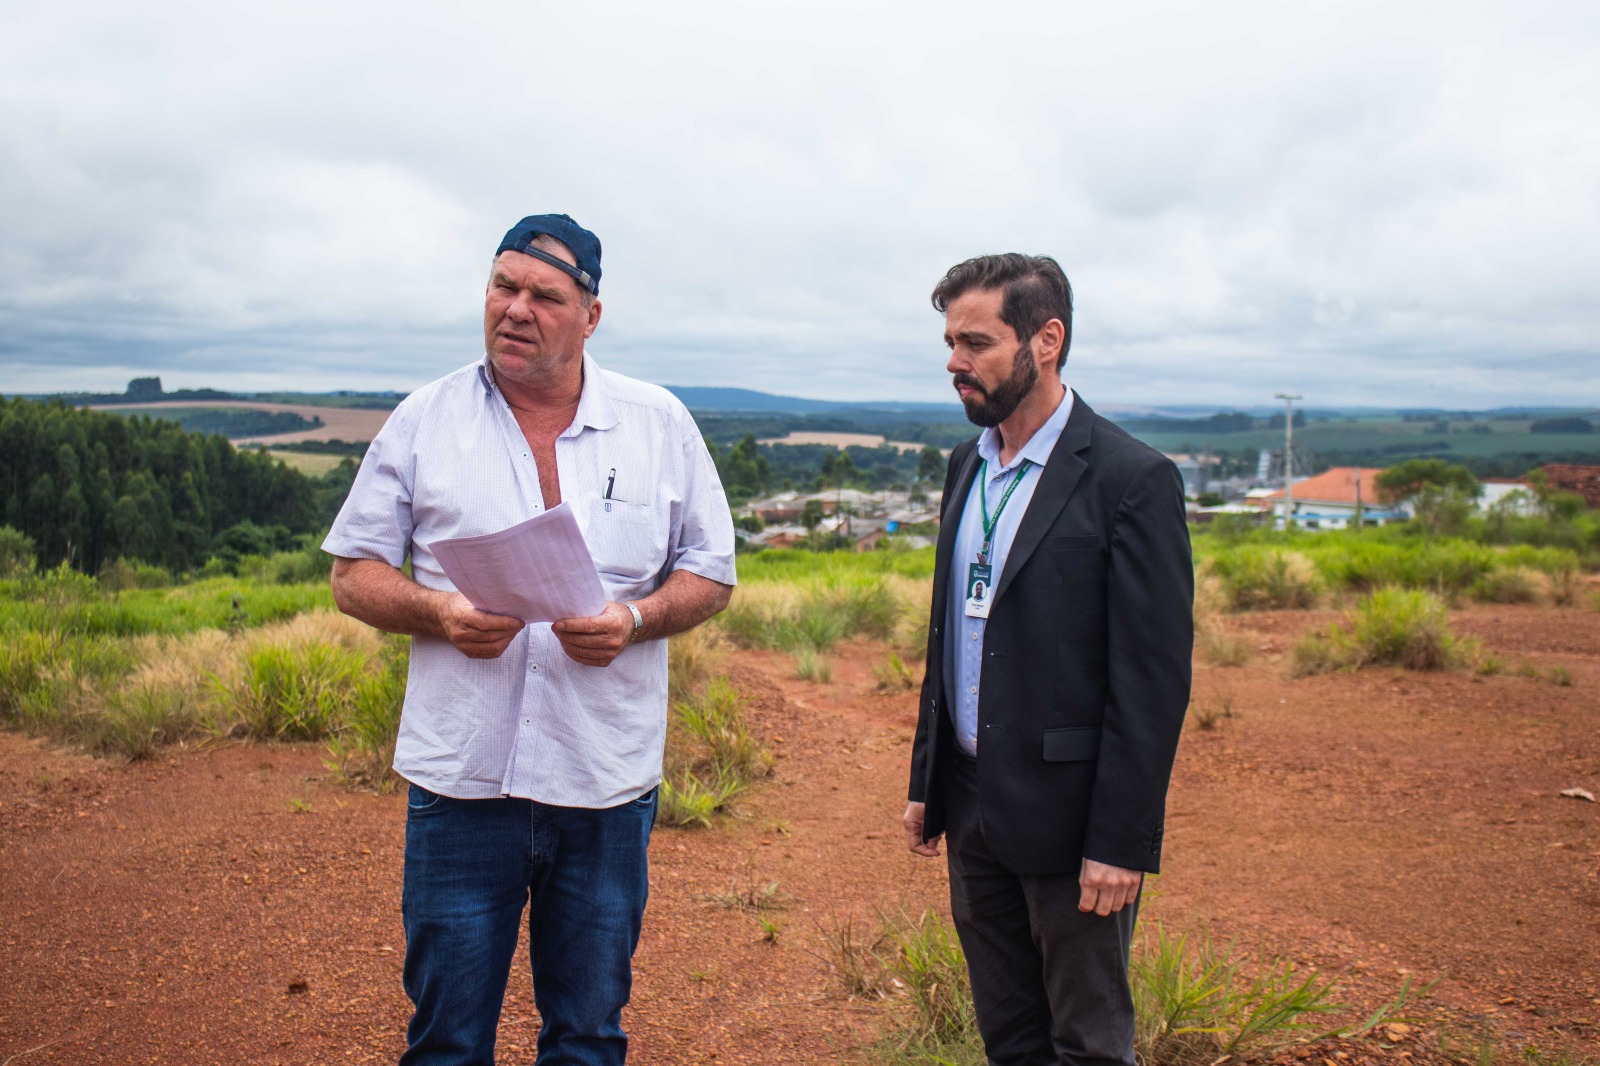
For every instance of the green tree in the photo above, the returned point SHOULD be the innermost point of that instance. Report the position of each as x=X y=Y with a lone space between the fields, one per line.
x=1440 y=493
x=16 y=552
x=930 y=463
x=743 y=469
x=838 y=470
x=811 y=514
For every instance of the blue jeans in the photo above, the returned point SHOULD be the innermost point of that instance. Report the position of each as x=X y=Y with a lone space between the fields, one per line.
x=471 y=867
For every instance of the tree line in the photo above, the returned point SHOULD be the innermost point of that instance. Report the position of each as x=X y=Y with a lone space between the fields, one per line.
x=89 y=488
x=748 y=468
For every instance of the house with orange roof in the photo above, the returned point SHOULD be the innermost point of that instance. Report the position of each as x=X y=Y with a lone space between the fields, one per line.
x=1333 y=498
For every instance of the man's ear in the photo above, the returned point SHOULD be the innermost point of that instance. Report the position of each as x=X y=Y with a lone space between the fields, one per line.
x=1047 y=342
x=594 y=318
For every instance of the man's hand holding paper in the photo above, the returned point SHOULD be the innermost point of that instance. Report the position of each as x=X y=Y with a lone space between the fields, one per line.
x=477 y=634
x=536 y=571
x=596 y=640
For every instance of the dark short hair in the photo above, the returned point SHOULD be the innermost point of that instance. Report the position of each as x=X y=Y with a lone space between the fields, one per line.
x=1036 y=290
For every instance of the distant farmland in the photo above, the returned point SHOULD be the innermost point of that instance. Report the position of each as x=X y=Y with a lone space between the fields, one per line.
x=351 y=424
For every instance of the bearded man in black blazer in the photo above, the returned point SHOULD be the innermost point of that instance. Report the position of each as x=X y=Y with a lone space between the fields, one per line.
x=1057 y=675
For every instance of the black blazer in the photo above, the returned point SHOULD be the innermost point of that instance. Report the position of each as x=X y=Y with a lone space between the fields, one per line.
x=1086 y=658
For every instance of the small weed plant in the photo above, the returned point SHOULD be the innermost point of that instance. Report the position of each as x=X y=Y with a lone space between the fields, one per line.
x=811 y=665
x=893 y=675
x=712 y=756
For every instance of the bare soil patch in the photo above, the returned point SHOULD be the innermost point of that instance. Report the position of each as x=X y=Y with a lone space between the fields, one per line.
x=230 y=905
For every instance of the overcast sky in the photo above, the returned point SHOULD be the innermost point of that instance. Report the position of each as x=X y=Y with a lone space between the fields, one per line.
x=1386 y=203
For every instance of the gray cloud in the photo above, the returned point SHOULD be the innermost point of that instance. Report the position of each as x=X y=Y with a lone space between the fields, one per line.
x=1367 y=203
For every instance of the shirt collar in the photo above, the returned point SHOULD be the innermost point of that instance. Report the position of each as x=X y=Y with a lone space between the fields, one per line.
x=595 y=410
x=1039 y=446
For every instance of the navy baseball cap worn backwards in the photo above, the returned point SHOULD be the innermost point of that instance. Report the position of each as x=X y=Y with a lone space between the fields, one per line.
x=585 y=246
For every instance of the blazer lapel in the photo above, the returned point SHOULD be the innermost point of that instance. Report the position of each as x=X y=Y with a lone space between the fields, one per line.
x=1057 y=481
x=949 y=525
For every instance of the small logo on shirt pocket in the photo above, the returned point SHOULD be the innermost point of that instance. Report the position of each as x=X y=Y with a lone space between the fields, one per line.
x=624 y=539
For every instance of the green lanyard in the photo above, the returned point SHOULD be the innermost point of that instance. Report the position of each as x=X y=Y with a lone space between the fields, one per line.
x=983 y=497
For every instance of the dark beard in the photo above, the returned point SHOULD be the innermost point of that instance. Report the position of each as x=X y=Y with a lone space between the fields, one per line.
x=992 y=407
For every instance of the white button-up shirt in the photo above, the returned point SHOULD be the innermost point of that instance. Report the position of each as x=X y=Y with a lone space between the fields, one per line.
x=452 y=462
x=963 y=647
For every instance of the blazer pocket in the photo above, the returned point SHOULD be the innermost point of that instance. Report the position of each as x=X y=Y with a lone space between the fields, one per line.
x=1079 y=744
x=1068 y=543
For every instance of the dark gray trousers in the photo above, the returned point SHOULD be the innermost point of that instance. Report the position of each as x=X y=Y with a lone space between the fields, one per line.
x=1050 y=983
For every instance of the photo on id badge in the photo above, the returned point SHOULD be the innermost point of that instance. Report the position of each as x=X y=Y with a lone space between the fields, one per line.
x=978 y=589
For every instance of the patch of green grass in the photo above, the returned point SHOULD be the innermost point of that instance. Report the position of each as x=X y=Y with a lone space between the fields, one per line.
x=1488 y=1049
x=690 y=800
x=818 y=610
x=361 y=747
x=1195 y=1001
x=292 y=692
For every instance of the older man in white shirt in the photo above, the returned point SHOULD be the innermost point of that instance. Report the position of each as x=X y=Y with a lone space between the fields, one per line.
x=533 y=751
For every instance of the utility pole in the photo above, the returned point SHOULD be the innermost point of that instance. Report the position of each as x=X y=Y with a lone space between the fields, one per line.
x=1288 y=454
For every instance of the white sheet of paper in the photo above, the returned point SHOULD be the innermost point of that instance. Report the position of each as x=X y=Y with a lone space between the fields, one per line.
x=539 y=570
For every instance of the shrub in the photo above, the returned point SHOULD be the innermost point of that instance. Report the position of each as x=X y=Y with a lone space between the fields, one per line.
x=17 y=555
x=1396 y=627
x=1517 y=584
x=1566 y=587
x=1403 y=627
x=1221 y=645
x=1268 y=578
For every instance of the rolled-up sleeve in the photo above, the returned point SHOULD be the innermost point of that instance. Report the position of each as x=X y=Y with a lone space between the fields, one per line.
x=376 y=521
x=702 y=533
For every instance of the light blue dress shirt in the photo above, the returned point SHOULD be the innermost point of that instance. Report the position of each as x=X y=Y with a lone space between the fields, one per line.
x=451 y=462
x=963 y=646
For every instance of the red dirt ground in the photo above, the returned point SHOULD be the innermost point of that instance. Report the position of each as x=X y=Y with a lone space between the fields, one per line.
x=229 y=904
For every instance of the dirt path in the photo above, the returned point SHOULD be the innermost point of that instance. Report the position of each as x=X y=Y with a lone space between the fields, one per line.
x=228 y=905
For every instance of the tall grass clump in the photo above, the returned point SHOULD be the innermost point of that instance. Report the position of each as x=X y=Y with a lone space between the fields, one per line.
x=165 y=700
x=1392 y=627
x=361 y=747
x=297 y=680
x=1214 y=635
x=711 y=756
x=690 y=657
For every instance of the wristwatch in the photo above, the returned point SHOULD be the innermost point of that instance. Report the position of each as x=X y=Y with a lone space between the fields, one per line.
x=638 y=621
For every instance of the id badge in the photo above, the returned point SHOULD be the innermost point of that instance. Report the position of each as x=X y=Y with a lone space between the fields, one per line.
x=980 y=589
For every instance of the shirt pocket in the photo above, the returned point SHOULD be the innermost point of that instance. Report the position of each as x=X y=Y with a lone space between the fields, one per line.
x=627 y=541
